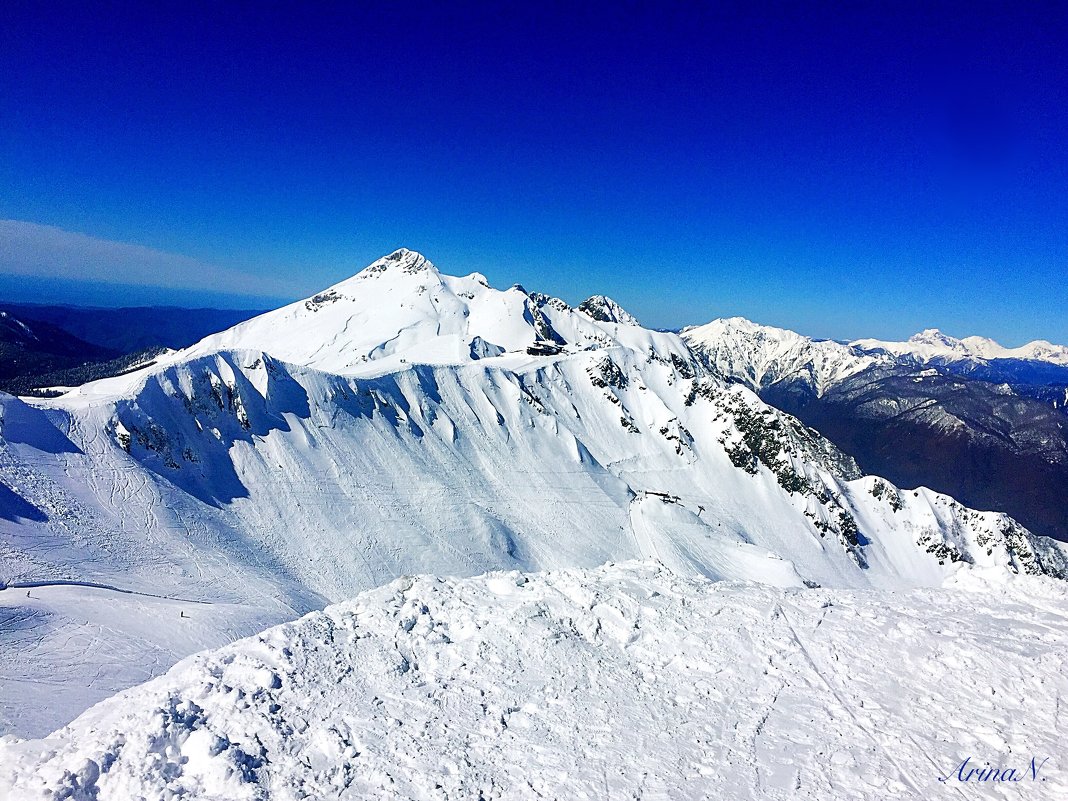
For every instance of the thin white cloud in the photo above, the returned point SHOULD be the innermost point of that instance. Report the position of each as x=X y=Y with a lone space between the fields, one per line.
x=44 y=251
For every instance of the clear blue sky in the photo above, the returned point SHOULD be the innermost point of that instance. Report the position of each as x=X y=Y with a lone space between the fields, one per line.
x=845 y=170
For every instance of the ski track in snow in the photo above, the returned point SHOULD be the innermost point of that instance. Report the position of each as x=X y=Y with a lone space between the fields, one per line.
x=30 y=585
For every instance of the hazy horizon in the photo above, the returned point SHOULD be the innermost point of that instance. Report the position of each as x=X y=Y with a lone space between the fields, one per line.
x=841 y=172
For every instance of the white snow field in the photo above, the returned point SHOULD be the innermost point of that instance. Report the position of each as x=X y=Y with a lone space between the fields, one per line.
x=406 y=422
x=627 y=681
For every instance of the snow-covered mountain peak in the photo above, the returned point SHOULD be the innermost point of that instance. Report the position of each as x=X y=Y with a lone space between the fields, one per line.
x=401 y=310
x=762 y=355
x=932 y=336
x=982 y=344
x=740 y=326
x=404 y=260
x=401 y=264
x=931 y=345
x=605 y=310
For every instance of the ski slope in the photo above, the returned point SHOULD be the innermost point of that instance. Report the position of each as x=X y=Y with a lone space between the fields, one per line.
x=627 y=681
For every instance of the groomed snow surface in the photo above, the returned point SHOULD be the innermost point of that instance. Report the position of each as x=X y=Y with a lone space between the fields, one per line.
x=627 y=681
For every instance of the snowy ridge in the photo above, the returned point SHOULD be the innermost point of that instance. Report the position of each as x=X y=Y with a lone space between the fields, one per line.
x=403 y=422
x=934 y=346
x=625 y=681
x=606 y=310
x=19 y=328
x=401 y=310
x=761 y=355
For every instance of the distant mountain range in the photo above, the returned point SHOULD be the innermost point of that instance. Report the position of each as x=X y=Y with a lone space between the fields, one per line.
x=131 y=328
x=934 y=347
x=32 y=347
x=42 y=345
x=965 y=417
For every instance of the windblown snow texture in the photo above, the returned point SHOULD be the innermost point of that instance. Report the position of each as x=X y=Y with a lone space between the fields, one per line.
x=627 y=681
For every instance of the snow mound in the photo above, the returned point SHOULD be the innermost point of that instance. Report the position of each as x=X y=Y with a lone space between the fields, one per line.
x=628 y=681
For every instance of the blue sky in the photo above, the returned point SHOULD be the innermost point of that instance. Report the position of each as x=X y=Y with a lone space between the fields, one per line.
x=842 y=170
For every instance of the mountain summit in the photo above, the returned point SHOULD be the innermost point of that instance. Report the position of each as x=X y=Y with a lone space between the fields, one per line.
x=606 y=310
x=402 y=310
x=761 y=355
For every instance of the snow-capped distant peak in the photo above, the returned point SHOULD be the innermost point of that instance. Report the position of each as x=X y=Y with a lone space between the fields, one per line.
x=605 y=310
x=934 y=337
x=740 y=326
x=931 y=345
x=762 y=355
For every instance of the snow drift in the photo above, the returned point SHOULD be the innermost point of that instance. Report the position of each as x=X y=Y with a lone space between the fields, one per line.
x=627 y=681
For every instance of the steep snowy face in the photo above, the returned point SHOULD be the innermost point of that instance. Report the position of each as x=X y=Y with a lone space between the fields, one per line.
x=760 y=356
x=625 y=441
x=932 y=345
x=606 y=310
x=532 y=686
